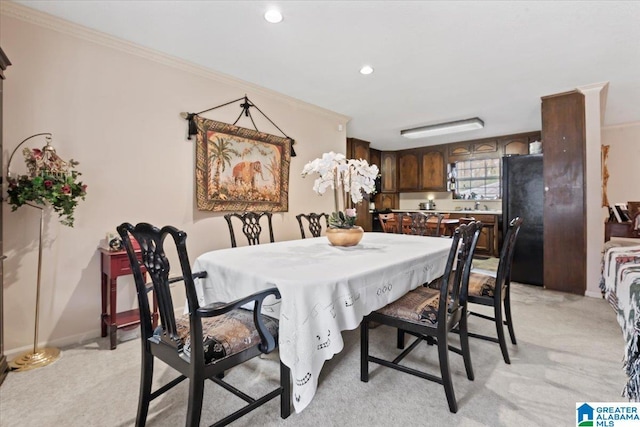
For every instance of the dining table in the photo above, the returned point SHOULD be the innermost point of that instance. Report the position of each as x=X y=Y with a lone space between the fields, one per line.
x=324 y=289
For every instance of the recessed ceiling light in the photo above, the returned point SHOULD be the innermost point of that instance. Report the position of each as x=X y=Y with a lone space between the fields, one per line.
x=273 y=16
x=367 y=69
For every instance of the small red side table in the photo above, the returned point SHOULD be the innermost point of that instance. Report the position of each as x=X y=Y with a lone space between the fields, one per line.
x=115 y=264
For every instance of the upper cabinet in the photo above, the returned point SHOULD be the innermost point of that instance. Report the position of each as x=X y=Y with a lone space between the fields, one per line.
x=357 y=149
x=388 y=172
x=422 y=169
x=434 y=169
x=491 y=147
x=408 y=172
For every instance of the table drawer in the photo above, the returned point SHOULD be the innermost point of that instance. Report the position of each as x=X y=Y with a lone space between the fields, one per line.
x=117 y=264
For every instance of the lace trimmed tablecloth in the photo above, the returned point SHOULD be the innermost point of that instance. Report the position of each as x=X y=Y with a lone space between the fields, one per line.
x=325 y=289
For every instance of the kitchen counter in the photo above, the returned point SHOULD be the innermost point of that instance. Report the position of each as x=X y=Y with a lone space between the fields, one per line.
x=489 y=239
x=472 y=212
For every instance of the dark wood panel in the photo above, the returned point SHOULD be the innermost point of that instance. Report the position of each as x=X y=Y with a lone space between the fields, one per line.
x=359 y=149
x=516 y=147
x=387 y=201
x=374 y=158
x=408 y=173
x=563 y=136
x=485 y=147
x=388 y=172
x=434 y=171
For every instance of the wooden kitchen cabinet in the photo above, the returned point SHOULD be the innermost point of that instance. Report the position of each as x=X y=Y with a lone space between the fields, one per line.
x=433 y=171
x=408 y=170
x=488 y=238
x=387 y=201
x=423 y=169
x=374 y=158
x=388 y=172
x=359 y=149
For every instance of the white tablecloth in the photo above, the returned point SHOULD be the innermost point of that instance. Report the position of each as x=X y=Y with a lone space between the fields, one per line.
x=325 y=289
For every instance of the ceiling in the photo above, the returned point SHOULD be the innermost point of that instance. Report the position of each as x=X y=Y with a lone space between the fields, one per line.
x=434 y=61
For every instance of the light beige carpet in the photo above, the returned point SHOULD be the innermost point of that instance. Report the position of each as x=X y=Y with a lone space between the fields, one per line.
x=569 y=350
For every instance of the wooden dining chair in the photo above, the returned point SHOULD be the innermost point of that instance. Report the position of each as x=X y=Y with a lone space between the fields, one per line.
x=206 y=341
x=251 y=226
x=422 y=224
x=429 y=315
x=492 y=289
x=314 y=224
x=389 y=222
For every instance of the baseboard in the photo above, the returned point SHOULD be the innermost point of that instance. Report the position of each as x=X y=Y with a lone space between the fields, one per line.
x=59 y=343
x=593 y=294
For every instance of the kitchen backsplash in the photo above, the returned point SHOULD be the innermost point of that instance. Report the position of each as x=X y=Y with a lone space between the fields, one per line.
x=445 y=201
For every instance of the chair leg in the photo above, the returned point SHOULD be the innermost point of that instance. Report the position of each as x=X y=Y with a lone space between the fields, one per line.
x=507 y=312
x=445 y=372
x=146 y=378
x=500 y=331
x=464 y=345
x=285 y=397
x=194 y=407
x=364 y=350
x=400 y=343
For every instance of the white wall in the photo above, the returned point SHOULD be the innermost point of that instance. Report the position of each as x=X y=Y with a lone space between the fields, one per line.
x=624 y=158
x=114 y=107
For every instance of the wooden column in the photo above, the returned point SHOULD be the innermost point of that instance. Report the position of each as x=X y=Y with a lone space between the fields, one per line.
x=563 y=141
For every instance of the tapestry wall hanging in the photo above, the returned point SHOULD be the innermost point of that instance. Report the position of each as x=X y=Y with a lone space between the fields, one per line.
x=239 y=169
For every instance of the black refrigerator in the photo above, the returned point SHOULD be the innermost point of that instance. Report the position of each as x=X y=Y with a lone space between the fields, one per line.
x=523 y=196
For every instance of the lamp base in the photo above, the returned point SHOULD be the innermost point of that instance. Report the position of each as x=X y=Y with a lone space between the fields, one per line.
x=30 y=360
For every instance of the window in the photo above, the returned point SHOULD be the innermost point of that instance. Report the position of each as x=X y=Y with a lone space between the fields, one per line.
x=478 y=179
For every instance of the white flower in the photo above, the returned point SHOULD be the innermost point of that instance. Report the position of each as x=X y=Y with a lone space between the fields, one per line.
x=353 y=177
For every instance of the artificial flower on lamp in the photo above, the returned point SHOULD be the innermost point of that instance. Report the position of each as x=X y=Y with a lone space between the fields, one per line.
x=50 y=180
x=351 y=177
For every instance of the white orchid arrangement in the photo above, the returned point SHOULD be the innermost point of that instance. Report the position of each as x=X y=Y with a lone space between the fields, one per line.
x=354 y=177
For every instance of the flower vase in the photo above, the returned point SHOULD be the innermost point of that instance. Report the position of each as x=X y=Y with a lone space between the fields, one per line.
x=345 y=236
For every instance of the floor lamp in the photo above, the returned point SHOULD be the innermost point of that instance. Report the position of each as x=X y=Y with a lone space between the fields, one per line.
x=39 y=357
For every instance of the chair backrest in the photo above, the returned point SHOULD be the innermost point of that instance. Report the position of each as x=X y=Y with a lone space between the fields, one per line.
x=422 y=224
x=152 y=240
x=466 y=220
x=251 y=226
x=314 y=224
x=454 y=284
x=503 y=275
x=389 y=222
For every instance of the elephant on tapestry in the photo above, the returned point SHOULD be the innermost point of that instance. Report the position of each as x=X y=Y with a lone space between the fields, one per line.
x=246 y=172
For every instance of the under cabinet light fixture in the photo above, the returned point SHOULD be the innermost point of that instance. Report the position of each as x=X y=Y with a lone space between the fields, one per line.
x=443 y=128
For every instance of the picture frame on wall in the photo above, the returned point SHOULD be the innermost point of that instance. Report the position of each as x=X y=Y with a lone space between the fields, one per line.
x=239 y=169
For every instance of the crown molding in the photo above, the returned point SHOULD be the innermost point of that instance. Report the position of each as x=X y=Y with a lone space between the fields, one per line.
x=621 y=125
x=41 y=19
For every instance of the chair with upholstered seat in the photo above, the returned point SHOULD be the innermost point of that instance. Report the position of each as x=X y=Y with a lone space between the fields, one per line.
x=422 y=224
x=252 y=224
x=430 y=314
x=206 y=341
x=389 y=222
x=314 y=224
x=493 y=289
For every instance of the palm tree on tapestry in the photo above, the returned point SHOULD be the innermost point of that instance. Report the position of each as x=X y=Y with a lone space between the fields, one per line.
x=274 y=169
x=220 y=157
